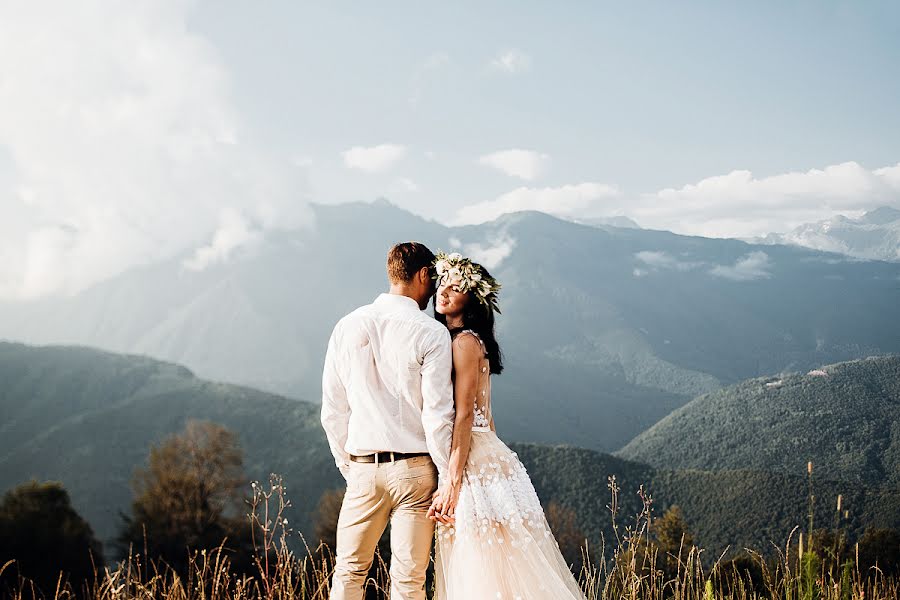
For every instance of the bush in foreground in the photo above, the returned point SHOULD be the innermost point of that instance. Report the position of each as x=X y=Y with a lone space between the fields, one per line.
x=46 y=538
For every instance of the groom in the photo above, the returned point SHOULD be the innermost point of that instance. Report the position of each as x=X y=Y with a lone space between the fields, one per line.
x=387 y=409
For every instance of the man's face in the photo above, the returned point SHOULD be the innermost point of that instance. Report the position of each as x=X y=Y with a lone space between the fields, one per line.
x=426 y=285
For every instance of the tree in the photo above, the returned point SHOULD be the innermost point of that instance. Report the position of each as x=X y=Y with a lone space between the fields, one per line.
x=564 y=525
x=833 y=547
x=327 y=513
x=672 y=537
x=668 y=542
x=188 y=498
x=880 y=547
x=743 y=571
x=41 y=531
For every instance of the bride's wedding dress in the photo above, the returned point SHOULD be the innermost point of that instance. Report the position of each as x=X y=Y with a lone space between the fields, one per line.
x=500 y=546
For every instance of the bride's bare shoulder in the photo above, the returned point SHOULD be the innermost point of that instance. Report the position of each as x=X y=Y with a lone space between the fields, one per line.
x=467 y=342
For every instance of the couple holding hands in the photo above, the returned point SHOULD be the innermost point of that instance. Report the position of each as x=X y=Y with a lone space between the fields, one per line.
x=406 y=406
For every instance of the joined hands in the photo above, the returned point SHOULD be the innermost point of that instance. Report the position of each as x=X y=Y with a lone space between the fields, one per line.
x=443 y=504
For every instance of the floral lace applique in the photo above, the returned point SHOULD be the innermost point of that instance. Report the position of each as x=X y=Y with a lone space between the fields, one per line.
x=498 y=505
x=480 y=419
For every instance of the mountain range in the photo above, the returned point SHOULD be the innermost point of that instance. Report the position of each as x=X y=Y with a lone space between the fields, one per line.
x=605 y=329
x=873 y=236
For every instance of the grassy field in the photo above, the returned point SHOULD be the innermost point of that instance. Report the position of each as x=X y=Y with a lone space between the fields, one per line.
x=637 y=570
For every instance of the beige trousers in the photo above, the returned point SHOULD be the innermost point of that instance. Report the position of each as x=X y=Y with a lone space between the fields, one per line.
x=399 y=492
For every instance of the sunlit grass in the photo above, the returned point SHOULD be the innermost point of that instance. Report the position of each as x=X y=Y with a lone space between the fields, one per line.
x=632 y=571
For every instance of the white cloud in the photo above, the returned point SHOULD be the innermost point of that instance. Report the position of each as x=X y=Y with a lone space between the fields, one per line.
x=736 y=205
x=124 y=144
x=524 y=164
x=493 y=253
x=662 y=260
x=564 y=201
x=655 y=259
x=741 y=205
x=511 y=61
x=754 y=265
x=890 y=175
x=404 y=184
x=234 y=231
x=373 y=159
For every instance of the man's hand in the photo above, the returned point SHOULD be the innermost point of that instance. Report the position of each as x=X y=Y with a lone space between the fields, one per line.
x=443 y=504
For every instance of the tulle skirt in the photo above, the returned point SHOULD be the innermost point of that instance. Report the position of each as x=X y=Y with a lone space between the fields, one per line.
x=500 y=546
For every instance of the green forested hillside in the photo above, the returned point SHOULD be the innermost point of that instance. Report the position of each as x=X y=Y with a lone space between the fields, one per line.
x=726 y=509
x=845 y=419
x=87 y=418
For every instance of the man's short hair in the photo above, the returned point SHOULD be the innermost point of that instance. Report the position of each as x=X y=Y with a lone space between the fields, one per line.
x=404 y=261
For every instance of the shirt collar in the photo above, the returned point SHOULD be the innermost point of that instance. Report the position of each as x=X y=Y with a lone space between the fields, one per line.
x=398 y=301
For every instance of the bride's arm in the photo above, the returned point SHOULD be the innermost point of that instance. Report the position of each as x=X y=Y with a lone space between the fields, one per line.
x=467 y=355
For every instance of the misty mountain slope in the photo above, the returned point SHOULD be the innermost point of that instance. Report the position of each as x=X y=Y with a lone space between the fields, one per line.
x=256 y=320
x=847 y=422
x=100 y=413
x=605 y=330
x=720 y=307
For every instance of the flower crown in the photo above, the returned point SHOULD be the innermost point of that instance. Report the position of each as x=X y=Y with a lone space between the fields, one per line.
x=471 y=276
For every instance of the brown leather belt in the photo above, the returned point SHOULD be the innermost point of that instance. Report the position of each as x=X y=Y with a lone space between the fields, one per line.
x=380 y=457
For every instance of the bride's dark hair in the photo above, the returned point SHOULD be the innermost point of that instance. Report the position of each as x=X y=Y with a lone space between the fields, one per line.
x=479 y=318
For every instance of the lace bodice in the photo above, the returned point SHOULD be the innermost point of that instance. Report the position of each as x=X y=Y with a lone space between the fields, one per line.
x=482 y=421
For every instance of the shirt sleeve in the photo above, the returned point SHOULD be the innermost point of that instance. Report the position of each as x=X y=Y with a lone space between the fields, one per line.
x=335 y=408
x=437 y=394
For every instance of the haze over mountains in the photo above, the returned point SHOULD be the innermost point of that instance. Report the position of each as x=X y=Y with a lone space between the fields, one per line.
x=874 y=236
x=605 y=329
x=87 y=418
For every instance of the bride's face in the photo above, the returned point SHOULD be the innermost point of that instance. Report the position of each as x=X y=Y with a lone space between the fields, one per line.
x=449 y=301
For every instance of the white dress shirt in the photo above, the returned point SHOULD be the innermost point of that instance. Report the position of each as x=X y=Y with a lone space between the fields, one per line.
x=386 y=383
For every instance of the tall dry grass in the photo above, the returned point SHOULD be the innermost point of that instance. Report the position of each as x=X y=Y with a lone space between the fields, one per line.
x=632 y=573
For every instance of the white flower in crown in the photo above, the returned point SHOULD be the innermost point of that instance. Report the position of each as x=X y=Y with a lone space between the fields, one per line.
x=470 y=277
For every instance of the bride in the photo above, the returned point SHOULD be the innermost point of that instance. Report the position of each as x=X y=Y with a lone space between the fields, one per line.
x=493 y=540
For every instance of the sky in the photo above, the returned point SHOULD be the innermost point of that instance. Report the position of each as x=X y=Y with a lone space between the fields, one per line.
x=132 y=131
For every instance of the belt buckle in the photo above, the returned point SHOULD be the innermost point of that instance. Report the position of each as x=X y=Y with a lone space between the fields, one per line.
x=393 y=459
